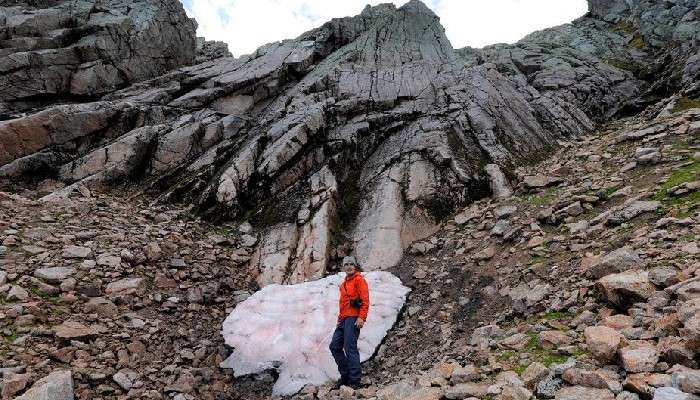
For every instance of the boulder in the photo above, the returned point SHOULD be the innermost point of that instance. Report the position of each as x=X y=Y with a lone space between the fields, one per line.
x=676 y=350
x=54 y=274
x=639 y=356
x=540 y=181
x=616 y=261
x=583 y=393
x=533 y=374
x=71 y=330
x=633 y=210
x=686 y=379
x=468 y=373
x=601 y=379
x=58 y=385
x=625 y=288
x=76 y=252
x=466 y=390
x=126 y=286
x=603 y=342
x=669 y=393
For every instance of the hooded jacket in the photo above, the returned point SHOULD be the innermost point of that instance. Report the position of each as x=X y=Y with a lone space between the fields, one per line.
x=353 y=286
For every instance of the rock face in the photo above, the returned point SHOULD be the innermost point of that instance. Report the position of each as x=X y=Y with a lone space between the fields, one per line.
x=379 y=108
x=85 y=49
x=288 y=328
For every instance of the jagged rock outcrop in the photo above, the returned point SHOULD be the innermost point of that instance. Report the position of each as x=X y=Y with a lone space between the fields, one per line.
x=208 y=50
x=79 y=50
x=366 y=131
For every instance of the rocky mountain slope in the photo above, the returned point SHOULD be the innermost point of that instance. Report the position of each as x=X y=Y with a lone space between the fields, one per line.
x=363 y=133
x=582 y=285
x=568 y=159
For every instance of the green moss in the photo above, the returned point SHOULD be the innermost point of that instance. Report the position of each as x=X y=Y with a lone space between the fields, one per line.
x=681 y=175
x=558 y=316
x=53 y=299
x=550 y=359
x=685 y=103
x=580 y=353
x=688 y=237
x=537 y=259
x=506 y=355
x=609 y=191
x=9 y=339
x=621 y=64
x=541 y=199
x=534 y=343
x=637 y=42
x=625 y=27
x=541 y=354
x=680 y=146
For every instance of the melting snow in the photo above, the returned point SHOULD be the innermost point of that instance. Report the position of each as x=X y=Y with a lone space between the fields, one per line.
x=289 y=328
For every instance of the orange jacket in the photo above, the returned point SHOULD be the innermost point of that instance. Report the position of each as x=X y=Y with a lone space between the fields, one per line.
x=353 y=286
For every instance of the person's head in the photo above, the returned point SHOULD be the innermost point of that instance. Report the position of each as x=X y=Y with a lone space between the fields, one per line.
x=350 y=265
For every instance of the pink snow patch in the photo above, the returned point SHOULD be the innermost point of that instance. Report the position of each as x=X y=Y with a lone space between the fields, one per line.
x=289 y=328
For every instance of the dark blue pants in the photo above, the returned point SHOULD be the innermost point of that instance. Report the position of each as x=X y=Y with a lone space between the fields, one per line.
x=344 y=349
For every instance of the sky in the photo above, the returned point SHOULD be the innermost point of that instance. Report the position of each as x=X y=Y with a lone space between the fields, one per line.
x=248 y=24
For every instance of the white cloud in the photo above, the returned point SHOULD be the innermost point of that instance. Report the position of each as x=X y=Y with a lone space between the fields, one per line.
x=480 y=23
x=247 y=24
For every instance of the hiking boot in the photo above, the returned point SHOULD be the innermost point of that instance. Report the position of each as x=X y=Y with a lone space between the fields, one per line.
x=355 y=386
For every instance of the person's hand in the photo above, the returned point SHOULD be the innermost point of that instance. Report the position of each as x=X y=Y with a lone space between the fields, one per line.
x=360 y=323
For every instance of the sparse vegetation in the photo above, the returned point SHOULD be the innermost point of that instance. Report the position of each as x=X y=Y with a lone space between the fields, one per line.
x=541 y=354
x=682 y=203
x=507 y=355
x=538 y=258
x=622 y=64
x=53 y=299
x=541 y=199
x=7 y=337
x=625 y=27
x=684 y=104
x=637 y=42
x=558 y=316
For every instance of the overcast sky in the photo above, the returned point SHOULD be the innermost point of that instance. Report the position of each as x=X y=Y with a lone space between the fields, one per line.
x=247 y=24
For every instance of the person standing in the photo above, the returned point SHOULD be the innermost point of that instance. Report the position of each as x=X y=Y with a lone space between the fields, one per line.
x=353 y=309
